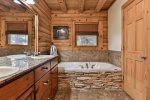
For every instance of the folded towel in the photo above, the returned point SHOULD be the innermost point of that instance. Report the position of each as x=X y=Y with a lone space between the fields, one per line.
x=53 y=50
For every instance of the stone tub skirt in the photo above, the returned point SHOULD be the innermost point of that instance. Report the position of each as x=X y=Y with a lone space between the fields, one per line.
x=108 y=79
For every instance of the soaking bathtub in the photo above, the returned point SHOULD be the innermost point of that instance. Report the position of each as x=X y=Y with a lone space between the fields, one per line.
x=97 y=75
x=87 y=67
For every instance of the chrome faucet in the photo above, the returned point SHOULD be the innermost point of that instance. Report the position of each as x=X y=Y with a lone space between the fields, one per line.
x=30 y=53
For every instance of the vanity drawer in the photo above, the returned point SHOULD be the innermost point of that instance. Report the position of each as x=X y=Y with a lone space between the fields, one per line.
x=54 y=62
x=14 y=89
x=42 y=70
x=42 y=87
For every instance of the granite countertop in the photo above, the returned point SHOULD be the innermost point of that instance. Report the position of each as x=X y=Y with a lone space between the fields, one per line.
x=25 y=65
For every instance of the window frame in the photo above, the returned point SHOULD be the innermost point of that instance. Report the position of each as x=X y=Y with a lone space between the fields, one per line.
x=3 y=35
x=94 y=33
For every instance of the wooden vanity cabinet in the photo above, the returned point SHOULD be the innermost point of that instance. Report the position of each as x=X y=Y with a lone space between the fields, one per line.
x=28 y=95
x=46 y=87
x=18 y=87
x=39 y=84
x=42 y=87
x=54 y=81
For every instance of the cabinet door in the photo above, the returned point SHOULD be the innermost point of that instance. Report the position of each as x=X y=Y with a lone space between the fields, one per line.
x=54 y=81
x=19 y=86
x=42 y=86
x=135 y=49
x=28 y=95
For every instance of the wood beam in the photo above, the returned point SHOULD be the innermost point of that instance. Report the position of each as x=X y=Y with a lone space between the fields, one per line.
x=81 y=5
x=4 y=8
x=62 y=4
x=100 y=4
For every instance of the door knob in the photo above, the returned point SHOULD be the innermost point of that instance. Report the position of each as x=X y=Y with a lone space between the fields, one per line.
x=144 y=57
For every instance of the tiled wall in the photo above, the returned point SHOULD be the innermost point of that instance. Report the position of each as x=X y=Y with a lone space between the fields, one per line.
x=113 y=57
x=10 y=51
x=84 y=55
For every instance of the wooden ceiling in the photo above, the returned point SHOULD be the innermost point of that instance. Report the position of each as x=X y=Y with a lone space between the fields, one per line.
x=63 y=5
x=79 y=5
x=9 y=5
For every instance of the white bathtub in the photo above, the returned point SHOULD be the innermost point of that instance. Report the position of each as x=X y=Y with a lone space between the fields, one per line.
x=87 y=67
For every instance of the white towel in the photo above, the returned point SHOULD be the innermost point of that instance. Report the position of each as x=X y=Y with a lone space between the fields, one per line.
x=53 y=50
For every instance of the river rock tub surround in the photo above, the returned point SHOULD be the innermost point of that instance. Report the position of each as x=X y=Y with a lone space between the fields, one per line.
x=94 y=75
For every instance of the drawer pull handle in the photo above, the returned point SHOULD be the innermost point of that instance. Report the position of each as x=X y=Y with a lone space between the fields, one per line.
x=46 y=82
x=48 y=98
x=44 y=68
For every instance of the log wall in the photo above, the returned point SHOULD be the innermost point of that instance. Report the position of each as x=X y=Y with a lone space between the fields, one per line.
x=70 y=19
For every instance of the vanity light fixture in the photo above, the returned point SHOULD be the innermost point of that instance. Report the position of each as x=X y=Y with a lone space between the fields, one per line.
x=27 y=1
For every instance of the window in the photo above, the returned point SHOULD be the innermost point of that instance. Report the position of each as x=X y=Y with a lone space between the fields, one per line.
x=86 y=34
x=86 y=40
x=17 y=33
x=18 y=39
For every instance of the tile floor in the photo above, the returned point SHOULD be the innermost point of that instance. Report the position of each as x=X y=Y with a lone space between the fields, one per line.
x=90 y=94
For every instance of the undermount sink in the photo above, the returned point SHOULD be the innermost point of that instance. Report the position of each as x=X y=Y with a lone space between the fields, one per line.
x=7 y=70
x=42 y=56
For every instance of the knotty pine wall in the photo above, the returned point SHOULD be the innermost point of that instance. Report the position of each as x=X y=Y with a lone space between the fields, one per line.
x=70 y=20
x=67 y=49
x=44 y=13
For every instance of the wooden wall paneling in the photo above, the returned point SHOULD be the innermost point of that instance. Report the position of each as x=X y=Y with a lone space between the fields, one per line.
x=3 y=35
x=81 y=5
x=44 y=14
x=4 y=8
x=62 y=4
x=100 y=30
x=100 y=4
x=30 y=26
x=66 y=44
x=71 y=19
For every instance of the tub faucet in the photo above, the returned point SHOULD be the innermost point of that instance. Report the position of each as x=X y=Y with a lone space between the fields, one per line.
x=92 y=66
x=87 y=66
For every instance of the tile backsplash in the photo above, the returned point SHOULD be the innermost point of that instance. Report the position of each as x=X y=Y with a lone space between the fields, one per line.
x=84 y=55
x=113 y=57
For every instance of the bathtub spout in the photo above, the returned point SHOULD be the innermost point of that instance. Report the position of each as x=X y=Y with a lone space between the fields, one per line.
x=81 y=66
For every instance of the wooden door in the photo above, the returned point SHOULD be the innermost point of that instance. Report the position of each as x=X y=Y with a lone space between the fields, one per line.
x=135 y=49
x=148 y=53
